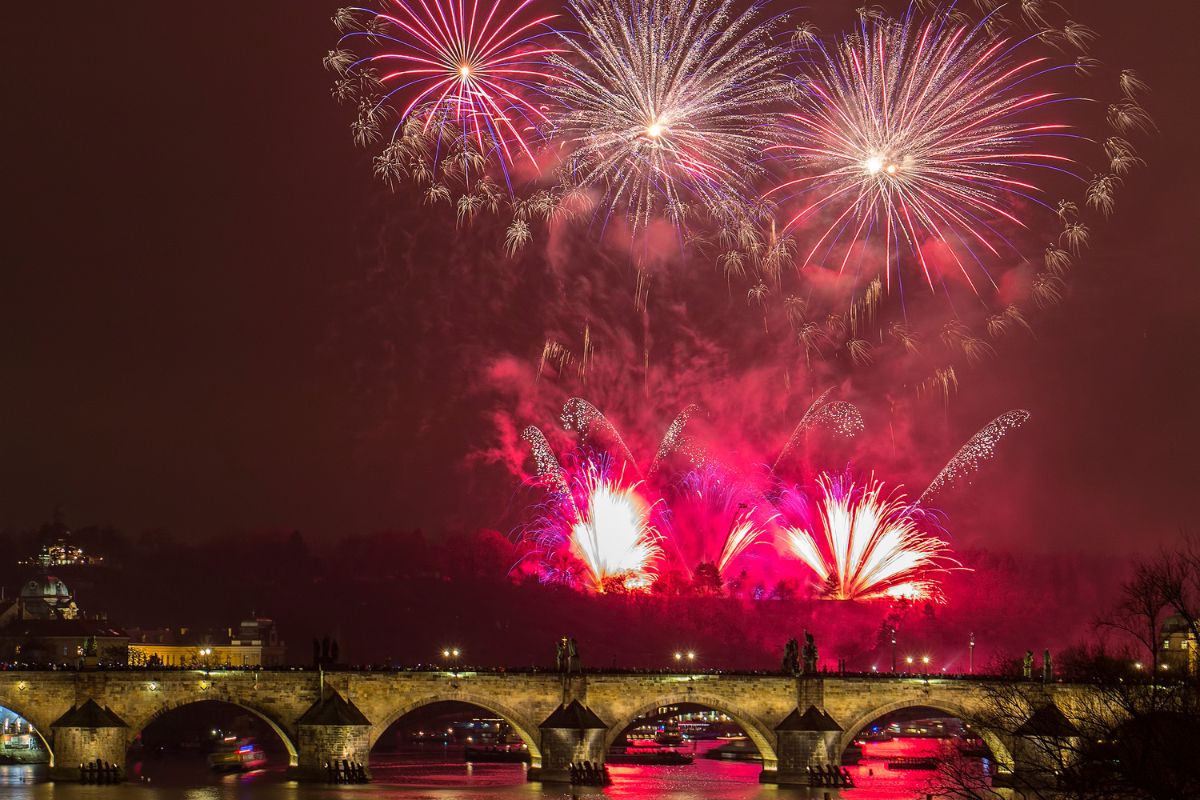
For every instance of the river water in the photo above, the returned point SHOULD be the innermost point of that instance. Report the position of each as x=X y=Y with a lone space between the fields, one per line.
x=448 y=778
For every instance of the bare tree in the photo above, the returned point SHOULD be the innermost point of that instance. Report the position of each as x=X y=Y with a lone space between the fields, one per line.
x=1122 y=735
x=1178 y=571
x=1141 y=609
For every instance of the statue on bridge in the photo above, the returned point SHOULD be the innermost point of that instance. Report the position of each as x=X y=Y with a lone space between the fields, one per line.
x=1047 y=667
x=1027 y=666
x=573 y=662
x=325 y=652
x=810 y=654
x=566 y=657
x=791 y=657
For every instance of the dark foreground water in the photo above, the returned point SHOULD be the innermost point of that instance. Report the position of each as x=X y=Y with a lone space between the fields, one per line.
x=448 y=778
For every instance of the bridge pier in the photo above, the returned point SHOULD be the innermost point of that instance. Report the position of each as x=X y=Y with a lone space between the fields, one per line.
x=804 y=740
x=88 y=735
x=333 y=738
x=571 y=734
x=1043 y=747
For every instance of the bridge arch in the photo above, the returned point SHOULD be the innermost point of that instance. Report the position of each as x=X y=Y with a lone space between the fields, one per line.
x=521 y=726
x=1003 y=755
x=143 y=721
x=6 y=704
x=756 y=729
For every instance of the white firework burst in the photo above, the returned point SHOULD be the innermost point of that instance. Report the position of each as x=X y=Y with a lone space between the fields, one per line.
x=664 y=104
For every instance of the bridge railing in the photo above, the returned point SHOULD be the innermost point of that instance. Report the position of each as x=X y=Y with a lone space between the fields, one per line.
x=467 y=669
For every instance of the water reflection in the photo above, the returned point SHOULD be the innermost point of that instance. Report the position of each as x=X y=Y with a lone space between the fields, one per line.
x=440 y=774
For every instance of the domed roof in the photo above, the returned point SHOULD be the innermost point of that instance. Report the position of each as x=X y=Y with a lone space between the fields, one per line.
x=1175 y=623
x=46 y=587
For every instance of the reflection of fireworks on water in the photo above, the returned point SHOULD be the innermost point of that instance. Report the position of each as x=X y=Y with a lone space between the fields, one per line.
x=596 y=529
x=664 y=103
x=926 y=135
x=979 y=448
x=863 y=544
x=459 y=80
x=713 y=519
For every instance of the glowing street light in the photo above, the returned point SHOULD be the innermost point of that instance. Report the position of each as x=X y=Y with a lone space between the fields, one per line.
x=452 y=654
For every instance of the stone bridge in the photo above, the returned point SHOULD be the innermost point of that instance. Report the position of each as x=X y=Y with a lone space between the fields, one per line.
x=795 y=722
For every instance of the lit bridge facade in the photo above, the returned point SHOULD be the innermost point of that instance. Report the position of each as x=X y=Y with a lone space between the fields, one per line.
x=795 y=722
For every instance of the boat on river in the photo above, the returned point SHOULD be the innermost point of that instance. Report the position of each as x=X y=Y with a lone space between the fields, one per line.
x=646 y=755
x=236 y=755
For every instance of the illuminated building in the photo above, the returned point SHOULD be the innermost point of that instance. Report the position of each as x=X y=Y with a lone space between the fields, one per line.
x=1179 y=647
x=43 y=625
x=254 y=643
x=60 y=551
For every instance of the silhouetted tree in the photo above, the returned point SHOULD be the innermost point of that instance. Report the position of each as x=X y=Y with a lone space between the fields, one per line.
x=706 y=579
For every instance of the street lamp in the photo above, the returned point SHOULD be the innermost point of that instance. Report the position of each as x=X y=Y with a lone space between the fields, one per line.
x=971 y=654
x=893 y=630
x=452 y=654
x=925 y=661
x=909 y=660
x=685 y=655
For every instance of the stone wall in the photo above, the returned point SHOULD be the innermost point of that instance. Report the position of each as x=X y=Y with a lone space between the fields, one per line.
x=77 y=746
x=320 y=745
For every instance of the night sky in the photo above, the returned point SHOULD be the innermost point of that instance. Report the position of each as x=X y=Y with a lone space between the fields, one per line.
x=192 y=334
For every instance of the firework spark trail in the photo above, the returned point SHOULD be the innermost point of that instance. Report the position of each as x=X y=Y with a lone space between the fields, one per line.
x=714 y=519
x=801 y=426
x=839 y=416
x=979 y=448
x=464 y=71
x=545 y=462
x=674 y=439
x=585 y=419
x=921 y=132
x=664 y=103
x=864 y=545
